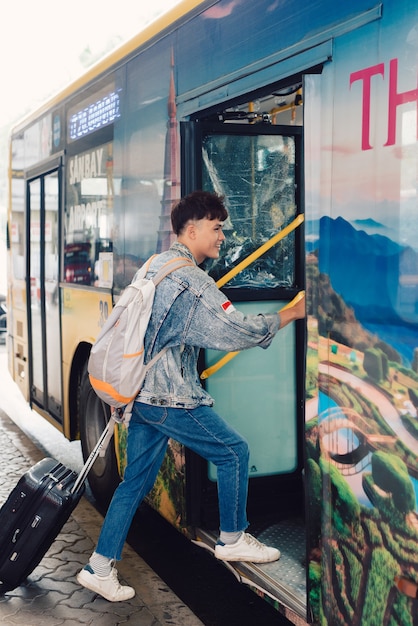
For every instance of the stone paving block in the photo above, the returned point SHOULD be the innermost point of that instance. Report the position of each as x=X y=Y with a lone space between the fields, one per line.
x=65 y=552
x=81 y=597
x=119 y=609
x=70 y=534
x=79 y=615
x=11 y=604
x=47 y=564
x=25 y=592
x=64 y=587
x=152 y=590
x=65 y=571
x=26 y=618
x=140 y=617
x=136 y=616
x=71 y=622
x=44 y=602
x=42 y=570
x=57 y=547
x=174 y=614
x=66 y=539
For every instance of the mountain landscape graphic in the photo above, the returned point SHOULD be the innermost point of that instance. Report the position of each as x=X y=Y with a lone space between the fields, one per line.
x=374 y=275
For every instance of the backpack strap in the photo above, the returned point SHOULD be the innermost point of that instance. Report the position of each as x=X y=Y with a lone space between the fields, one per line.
x=142 y=272
x=164 y=271
x=169 y=267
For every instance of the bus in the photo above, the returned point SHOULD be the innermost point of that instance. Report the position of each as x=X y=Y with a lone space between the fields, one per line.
x=304 y=117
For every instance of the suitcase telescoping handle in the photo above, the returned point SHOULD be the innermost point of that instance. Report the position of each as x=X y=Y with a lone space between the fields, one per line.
x=99 y=449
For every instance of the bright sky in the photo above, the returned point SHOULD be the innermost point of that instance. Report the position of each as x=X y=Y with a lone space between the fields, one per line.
x=41 y=42
x=40 y=46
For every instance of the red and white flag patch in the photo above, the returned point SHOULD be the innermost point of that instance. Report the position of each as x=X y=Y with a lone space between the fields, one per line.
x=228 y=307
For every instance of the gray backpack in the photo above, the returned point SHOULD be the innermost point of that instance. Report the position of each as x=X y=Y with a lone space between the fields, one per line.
x=116 y=363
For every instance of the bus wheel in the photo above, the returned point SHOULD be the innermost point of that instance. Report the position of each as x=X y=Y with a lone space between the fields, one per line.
x=94 y=415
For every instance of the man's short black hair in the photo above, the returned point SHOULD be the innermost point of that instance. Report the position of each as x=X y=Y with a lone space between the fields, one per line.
x=198 y=205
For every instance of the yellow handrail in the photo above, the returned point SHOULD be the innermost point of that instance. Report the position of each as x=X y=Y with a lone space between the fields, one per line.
x=261 y=250
x=228 y=357
x=241 y=266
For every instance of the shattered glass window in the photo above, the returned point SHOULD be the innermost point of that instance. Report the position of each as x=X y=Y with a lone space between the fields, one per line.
x=257 y=177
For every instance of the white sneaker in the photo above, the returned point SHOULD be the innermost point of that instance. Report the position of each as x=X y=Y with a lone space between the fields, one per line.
x=107 y=586
x=247 y=548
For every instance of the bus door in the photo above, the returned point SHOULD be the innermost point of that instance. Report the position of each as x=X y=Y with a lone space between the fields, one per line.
x=257 y=168
x=44 y=201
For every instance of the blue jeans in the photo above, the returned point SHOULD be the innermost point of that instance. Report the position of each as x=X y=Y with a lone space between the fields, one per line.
x=200 y=430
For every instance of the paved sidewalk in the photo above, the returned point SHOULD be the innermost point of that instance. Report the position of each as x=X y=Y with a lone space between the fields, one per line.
x=51 y=596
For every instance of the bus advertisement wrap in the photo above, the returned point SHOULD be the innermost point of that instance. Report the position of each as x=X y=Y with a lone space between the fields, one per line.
x=304 y=117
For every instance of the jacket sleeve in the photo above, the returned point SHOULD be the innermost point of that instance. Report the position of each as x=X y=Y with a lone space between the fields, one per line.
x=214 y=323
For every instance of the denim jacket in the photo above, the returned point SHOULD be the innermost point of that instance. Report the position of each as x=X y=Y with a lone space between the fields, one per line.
x=190 y=313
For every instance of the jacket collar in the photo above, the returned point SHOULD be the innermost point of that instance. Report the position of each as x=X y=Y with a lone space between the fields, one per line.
x=184 y=250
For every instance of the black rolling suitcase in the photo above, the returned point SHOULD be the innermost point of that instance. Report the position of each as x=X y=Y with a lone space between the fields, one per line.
x=37 y=509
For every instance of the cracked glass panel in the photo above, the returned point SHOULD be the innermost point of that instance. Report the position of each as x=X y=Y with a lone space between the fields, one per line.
x=256 y=175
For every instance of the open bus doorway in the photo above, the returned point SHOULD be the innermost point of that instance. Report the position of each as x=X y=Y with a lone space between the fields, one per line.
x=44 y=204
x=252 y=154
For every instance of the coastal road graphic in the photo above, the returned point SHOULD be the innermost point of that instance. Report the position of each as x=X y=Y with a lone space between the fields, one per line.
x=389 y=412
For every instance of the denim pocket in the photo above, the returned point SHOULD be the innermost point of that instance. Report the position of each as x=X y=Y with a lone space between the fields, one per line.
x=151 y=414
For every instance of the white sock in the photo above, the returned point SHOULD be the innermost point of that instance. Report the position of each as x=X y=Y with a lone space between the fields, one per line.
x=230 y=538
x=101 y=565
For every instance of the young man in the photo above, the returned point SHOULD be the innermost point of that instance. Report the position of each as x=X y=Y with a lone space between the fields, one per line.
x=189 y=313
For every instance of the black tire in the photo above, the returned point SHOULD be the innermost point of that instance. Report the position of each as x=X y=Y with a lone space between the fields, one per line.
x=104 y=476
